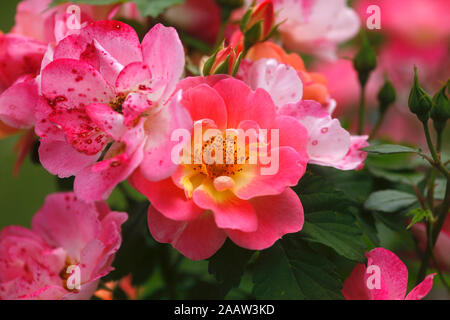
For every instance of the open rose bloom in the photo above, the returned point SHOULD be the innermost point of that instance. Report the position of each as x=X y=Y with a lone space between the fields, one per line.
x=105 y=107
x=70 y=247
x=202 y=204
x=258 y=136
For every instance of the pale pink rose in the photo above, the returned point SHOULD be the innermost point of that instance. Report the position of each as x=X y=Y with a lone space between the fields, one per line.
x=442 y=247
x=316 y=26
x=201 y=205
x=65 y=232
x=384 y=278
x=328 y=143
x=104 y=87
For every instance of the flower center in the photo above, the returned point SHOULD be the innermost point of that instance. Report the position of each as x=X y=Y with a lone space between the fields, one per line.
x=117 y=103
x=220 y=155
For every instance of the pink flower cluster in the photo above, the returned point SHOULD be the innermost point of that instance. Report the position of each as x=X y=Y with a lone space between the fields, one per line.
x=105 y=106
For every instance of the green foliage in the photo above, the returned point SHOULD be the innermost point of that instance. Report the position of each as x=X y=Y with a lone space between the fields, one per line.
x=337 y=230
x=292 y=270
x=419 y=215
x=389 y=201
x=228 y=265
x=328 y=218
x=390 y=149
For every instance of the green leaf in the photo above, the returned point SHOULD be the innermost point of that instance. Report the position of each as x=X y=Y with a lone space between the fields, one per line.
x=439 y=189
x=390 y=149
x=419 y=215
x=395 y=222
x=356 y=185
x=328 y=218
x=337 y=230
x=290 y=269
x=154 y=8
x=228 y=265
x=389 y=201
x=402 y=176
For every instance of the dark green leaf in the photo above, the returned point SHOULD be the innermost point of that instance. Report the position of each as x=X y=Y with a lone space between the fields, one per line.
x=292 y=270
x=390 y=149
x=356 y=185
x=402 y=176
x=395 y=222
x=389 y=201
x=228 y=265
x=337 y=230
x=328 y=218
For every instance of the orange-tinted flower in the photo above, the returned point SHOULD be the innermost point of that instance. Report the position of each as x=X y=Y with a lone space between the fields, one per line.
x=314 y=84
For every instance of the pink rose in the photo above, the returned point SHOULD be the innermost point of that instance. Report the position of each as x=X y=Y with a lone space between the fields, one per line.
x=70 y=241
x=202 y=204
x=105 y=93
x=384 y=278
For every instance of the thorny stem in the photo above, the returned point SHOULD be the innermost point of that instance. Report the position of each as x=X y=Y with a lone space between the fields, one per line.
x=441 y=212
x=436 y=158
x=430 y=143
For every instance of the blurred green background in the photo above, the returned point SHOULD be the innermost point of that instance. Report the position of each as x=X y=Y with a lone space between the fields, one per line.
x=21 y=196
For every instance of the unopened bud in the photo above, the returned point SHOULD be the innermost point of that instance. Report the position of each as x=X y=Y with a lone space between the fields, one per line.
x=440 y=110
x=365 y=61
x=257 y=23
x=386 y=96
x=419 y=101
x=224 y=61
